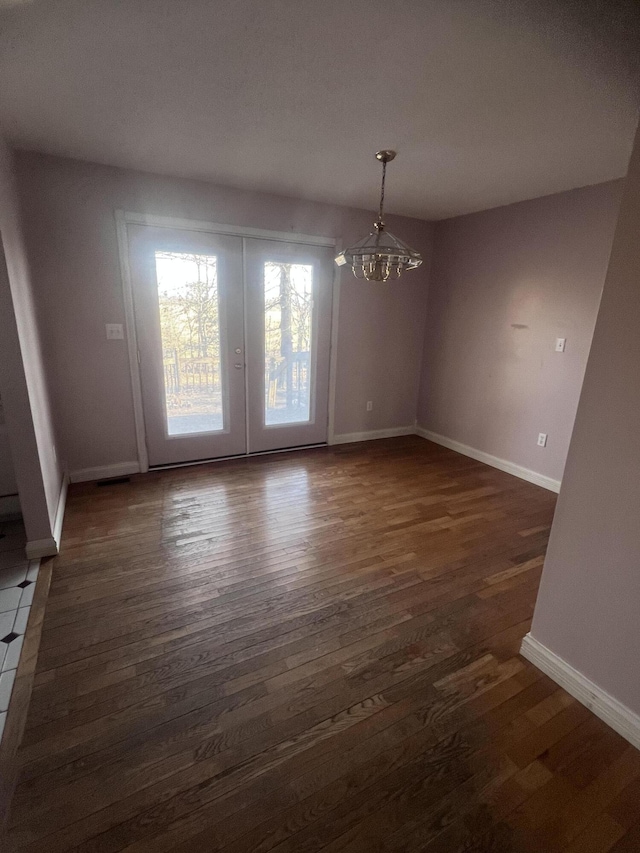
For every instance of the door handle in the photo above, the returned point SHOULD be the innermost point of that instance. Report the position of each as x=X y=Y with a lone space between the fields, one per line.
x=238 y=366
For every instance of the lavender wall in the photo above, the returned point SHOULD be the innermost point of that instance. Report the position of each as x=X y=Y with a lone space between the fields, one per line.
x=8 y=483
x=505 y=283
x=589 y=598
x=22 y=379
x=69 y=219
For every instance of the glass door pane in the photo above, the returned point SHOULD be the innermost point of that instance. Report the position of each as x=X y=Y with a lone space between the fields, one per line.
x=288 y=329
x=188 y=300
x=288 y=321
x=191 y=343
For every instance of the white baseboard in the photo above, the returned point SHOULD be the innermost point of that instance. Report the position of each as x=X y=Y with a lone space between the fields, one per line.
x=622 y=719
x=494 y=461
x=104 y=472
x=349 y=437
x=41 y=548
x=10 y=506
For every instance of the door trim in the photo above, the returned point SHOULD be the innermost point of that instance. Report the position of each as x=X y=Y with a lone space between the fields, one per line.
x=333 y=347
x=124 y=218
x=218 y=228
x=132 y=339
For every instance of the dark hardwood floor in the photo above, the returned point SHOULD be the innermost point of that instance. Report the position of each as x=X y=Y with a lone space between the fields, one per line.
x=315 y=651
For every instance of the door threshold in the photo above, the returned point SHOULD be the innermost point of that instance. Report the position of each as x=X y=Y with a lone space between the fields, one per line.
x=236 y=456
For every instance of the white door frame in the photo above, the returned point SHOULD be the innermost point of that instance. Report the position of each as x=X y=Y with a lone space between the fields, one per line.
x=124 y=218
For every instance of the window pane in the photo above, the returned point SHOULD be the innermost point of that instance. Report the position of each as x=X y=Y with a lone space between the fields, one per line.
x=288 y=304
x=190 y=331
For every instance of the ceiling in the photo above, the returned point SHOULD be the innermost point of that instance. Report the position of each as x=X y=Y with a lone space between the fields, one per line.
x=487 y=101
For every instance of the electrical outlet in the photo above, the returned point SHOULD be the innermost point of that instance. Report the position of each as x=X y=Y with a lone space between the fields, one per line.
x=115 y=332
x=542 y=439
x=369 y=405
x=560 y=344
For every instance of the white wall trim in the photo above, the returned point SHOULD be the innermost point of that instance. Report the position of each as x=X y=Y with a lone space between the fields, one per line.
x=10 y=506
x=104 y=472
x=495 y=462
x=38 y=548
x=333 y=351
x=349 y=437
x=50 y=547
x=622 y=719
x=132 y=342
x=62 y=502
x=220 y=228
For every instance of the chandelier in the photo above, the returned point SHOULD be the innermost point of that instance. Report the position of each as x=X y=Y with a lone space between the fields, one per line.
x=380 y=256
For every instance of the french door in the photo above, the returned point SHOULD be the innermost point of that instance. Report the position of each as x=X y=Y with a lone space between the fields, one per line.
x=233 y=337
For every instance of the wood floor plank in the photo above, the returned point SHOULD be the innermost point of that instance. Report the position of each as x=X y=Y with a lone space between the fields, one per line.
x=314 y=651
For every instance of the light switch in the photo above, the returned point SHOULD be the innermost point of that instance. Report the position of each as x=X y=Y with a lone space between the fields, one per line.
x=115 y=332
x=560 y=344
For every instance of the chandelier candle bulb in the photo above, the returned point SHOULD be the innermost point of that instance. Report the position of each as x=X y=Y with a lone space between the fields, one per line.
x=380 y=256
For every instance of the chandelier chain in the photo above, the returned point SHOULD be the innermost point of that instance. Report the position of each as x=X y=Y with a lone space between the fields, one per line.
x=384 y=175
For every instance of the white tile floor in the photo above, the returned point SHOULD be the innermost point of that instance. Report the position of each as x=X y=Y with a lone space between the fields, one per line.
x=17 y=584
